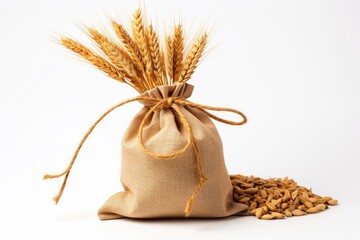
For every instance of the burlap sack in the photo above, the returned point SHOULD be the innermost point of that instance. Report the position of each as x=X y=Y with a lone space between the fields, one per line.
x=156 y=188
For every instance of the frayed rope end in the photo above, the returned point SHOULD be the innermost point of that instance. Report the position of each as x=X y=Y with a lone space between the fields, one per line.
x=188 y=207
x=47 y=177
x=57 y=198
x=190 y=202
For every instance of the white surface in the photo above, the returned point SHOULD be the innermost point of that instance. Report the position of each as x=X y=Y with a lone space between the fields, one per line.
x=291 y=66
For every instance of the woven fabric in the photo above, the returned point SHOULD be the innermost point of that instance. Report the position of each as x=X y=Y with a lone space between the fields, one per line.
x=160 y=188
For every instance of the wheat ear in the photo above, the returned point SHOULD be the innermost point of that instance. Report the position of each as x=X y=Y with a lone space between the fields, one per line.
x=178 y=51
x=170 y=59
x=96 y=60
x=116 y=55
x=154 y=48
x=142 y=44
x=129 y=45
x=163 y=66
x=192 y=59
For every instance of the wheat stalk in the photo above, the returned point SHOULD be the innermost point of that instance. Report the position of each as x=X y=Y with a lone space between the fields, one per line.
x=178 y=51
x=193 y=58
x=96 y=60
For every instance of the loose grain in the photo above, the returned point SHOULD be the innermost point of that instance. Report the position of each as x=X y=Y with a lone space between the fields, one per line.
x=277 y=198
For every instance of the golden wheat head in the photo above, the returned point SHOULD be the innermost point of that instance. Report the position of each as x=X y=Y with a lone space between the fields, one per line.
x=138 y=57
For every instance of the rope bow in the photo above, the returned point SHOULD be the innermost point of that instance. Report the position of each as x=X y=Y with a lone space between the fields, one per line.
x=158 y=105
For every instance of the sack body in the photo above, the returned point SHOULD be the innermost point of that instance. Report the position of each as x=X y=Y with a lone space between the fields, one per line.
x=160 y=188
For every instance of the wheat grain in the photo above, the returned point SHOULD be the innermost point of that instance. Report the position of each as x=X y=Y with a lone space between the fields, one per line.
x=267 y=217
x=332 y=202
x=321 y=206
x=313 y=210
x=298 y=212
x=277 y=215
x=259 y=212
x=280 y=197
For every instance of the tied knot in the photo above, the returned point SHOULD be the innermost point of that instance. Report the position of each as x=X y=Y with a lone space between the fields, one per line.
x=166 y=103
x=169 y=101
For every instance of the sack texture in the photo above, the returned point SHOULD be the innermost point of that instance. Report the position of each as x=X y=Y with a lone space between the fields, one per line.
x=159 y=188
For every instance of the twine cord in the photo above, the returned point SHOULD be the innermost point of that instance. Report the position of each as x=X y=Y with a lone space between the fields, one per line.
x=159 y=104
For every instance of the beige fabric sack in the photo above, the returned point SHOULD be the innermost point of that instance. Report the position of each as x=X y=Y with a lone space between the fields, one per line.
x=155 y=187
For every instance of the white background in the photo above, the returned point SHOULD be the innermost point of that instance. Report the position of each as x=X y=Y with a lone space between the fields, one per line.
x=291 y=66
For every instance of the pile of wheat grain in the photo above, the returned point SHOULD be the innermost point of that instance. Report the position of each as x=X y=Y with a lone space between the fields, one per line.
x=276 y=198
x=138 y=58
